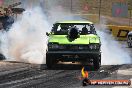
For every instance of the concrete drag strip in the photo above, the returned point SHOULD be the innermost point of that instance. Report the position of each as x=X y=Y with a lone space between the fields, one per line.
x=125 y=72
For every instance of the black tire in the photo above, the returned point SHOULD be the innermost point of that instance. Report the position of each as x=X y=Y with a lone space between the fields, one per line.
x=49 y=61
x=97 y=62
x=129 y=41
x=100 y=60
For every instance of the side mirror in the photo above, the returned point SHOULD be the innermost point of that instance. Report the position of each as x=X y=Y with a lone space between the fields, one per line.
x=47 y=33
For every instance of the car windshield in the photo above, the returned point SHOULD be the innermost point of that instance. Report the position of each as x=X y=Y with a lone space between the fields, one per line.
x=63 y=29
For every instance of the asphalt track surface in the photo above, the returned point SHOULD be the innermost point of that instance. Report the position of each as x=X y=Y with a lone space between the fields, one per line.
x=25 y=75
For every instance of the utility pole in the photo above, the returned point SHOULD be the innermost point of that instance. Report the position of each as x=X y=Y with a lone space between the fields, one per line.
x=100 y=9
x=130 y=11
x=130 y=18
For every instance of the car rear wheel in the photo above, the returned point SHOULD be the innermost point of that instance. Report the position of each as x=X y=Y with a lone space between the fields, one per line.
x=129 y=41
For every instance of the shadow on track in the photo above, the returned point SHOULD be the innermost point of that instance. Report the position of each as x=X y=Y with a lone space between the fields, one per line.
x=67 y=67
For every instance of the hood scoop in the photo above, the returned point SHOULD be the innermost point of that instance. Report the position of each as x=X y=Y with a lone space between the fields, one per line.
x=73 y=34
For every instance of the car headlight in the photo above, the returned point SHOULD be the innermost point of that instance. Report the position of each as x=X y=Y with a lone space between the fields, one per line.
x=94 y=46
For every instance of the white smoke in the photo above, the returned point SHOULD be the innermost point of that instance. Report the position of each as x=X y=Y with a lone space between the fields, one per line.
x=27 y=37
x=3 y=43
x=26 y=40
x=112 y=51
x=60 y=14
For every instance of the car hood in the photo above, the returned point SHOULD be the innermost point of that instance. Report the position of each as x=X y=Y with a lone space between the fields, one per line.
x=83 y=39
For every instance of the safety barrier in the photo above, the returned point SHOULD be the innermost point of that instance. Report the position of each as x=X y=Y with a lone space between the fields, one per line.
x=119 y=32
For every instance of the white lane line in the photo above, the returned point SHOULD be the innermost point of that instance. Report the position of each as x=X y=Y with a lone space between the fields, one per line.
x=12 y=71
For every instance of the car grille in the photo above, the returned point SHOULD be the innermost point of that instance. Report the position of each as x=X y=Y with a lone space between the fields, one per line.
x=73 y=47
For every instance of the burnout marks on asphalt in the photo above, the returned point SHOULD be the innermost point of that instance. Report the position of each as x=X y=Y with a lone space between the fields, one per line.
x=32 y=76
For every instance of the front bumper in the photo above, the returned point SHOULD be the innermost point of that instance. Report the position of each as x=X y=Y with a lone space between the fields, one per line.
x=73 y=55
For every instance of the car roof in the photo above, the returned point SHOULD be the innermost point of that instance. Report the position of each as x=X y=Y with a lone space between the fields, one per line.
x=74 y=22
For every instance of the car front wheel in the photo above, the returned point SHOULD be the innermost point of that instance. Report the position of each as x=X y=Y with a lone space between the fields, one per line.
x=97 y=62
x=50 y=61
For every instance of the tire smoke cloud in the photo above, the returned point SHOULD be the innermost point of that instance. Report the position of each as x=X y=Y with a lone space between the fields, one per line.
x=112 y=51
x=26 y=41
x=28 y=37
